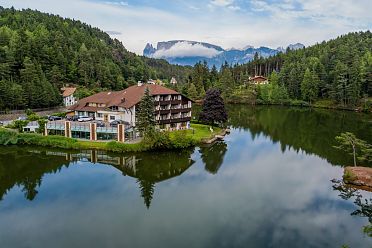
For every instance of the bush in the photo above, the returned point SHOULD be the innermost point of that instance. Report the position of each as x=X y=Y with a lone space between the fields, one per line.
x=273 y=94
x=155 y=140
x=33 y=117
x=180 y=140
x=41 y=123
x=29 y=112
x=20 y=124
x=299 y=103
x=8 y=137
x=60 y=114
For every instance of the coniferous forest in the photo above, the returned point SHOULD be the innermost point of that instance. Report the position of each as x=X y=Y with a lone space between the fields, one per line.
x=338 y=71
x=39 y=53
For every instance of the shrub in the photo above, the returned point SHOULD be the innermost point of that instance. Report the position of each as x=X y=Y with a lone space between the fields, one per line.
x=33 y=117
x=180 y=140
x=155 y=140
x=20 y=124
x=8 y=137
x=29 y=112
x=348 y=176
x=59 y=114
x=299 y=103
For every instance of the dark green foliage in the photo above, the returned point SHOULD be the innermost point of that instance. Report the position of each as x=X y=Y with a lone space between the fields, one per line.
x=273 y=93
x=192 y=93
x=213 y=111
x=20 y=124
x=39 y=53
x=309 y=86
x=145 y=119
x=42 y=123
x=339 y=69
x=155 y=140
x=360 y=149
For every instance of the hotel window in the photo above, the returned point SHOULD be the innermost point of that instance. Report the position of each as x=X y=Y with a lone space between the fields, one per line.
x=99 y=115
x=112 y=117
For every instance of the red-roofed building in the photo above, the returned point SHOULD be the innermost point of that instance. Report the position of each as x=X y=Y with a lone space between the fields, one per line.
x=172 y=110
x=68 y=96
x=258 y=80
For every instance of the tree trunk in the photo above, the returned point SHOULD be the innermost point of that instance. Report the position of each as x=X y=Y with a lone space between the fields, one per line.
x=354 y=155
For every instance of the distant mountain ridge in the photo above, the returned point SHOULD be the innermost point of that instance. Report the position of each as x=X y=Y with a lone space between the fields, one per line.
x=184 y=52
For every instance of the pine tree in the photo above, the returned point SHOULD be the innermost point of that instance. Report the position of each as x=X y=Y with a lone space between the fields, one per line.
x=192 y=92
x=145 y=120
x=309 y=86
x=213 y=111
x=360 y=149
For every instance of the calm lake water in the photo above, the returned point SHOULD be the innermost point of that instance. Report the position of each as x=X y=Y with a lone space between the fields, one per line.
x=268 y=184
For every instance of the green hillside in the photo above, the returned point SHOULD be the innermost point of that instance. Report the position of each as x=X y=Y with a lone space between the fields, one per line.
x=41 y=52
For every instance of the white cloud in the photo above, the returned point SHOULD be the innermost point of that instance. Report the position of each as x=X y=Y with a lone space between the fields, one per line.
x=122 y=3
x=222 y=3
x=186 y=49
x=263 y=24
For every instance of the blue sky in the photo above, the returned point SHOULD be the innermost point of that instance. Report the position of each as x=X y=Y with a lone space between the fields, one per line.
x=228 y=23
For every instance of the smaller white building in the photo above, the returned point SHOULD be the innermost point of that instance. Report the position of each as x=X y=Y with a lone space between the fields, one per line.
x=68 y=96
x=173 y=81
x=31 y=127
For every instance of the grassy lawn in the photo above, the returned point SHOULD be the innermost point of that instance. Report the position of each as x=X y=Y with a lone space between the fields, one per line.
x=200 y=132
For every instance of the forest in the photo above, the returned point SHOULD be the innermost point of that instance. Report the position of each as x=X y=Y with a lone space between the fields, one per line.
x=338 y=71
x=40 y=53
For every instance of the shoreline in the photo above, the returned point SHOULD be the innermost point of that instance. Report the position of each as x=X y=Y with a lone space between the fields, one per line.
x=199 y=135
x=305 y=105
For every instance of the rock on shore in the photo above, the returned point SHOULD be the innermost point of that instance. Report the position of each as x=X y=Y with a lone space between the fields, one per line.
x=359 y=176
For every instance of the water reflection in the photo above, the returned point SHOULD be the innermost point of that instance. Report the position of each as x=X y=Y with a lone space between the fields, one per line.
x=212 y=156
x=25 y=167
x=303 y=129
x=363 y=205
x=264 y=186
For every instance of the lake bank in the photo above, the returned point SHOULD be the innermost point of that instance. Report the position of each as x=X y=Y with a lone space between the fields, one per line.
x=198 y=134
x=321 y=104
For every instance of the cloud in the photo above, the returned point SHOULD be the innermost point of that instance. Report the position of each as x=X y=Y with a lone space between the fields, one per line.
x=228 y=4
x=121 y=3
x=227 y=23
x=186 y=49
x=222 y=3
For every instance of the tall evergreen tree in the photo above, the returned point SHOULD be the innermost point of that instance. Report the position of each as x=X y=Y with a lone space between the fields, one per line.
x=192 y=93
x=145 y=117
x=309 y=86
x=213 y=111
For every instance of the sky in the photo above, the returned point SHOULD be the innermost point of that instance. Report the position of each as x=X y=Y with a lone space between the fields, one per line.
x=226 y=23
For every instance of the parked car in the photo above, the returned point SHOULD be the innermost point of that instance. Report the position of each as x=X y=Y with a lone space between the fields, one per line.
x=1 y=123
x=54 y=118
x=116 y=123
x=22 y=118
x=84 y=118
x=100 y=123
x=73 y=118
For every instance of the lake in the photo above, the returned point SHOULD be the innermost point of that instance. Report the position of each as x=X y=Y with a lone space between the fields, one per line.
x=273 y=182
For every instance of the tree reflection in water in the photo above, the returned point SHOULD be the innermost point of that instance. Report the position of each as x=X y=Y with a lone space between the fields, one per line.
x=213 y=155
x=25 y=167
x=364 y=206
